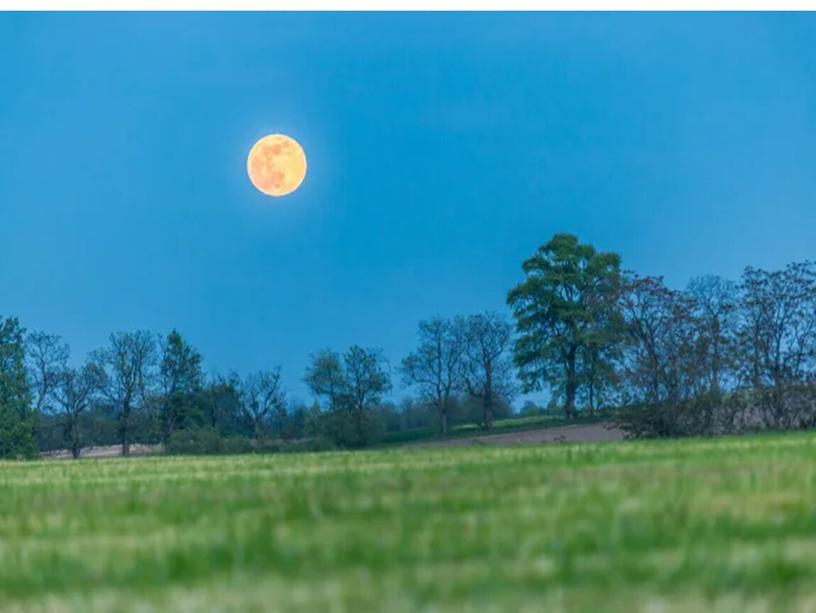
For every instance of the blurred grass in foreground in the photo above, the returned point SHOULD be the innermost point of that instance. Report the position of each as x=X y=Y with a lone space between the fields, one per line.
x=692 y=525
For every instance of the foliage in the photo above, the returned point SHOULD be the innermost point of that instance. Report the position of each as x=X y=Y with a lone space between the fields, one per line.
x=181 y=382
x=17 y=420
x=352 y=387
x=567 y=319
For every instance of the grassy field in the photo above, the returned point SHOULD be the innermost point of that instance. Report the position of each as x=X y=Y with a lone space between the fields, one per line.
x=682 y=525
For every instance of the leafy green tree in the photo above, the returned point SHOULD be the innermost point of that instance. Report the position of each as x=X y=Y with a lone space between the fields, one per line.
x=352 y=387
x=17 y=420
x=182 y=381
x=601 y=353
x=569 y=288
x=221 y=404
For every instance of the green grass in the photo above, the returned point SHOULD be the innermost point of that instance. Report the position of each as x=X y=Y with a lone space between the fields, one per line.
x=681 y=525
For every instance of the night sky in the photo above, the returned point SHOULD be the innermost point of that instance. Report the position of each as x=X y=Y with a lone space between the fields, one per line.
x=442 y=150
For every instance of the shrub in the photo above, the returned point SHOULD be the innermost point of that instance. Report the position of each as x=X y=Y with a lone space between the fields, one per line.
x=198 y=441
x=208 y=441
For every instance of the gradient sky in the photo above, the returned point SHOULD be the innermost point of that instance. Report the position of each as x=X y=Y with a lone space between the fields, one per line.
x=443 y=149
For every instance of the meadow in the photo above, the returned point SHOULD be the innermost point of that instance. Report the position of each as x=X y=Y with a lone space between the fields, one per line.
x=715 y=524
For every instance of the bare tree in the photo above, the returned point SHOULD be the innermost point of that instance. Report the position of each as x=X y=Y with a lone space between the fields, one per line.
x=664 y=365
x=715 y=307
x=436 y=366
x=778 y=337
x=487 y=371
x=128 y=365
x=74 y=392
x=47 y=358
x=262 y=396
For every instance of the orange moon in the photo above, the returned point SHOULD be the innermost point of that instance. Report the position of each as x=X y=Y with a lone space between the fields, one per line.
x=276 y=165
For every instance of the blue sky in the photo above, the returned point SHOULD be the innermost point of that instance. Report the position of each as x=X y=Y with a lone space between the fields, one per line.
x=443 y=149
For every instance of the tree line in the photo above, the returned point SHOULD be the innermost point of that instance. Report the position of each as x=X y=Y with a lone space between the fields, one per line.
x=718 y=356
x=147 y=388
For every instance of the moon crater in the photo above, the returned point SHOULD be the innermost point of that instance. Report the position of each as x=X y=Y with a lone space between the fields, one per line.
x=276 y=165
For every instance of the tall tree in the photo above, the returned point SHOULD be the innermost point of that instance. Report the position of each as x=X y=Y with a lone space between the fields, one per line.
x=263 y=398
x=17 y=420
x=436 y=365
x=568 y=286
x=486 y=368
x=182 y=380
x=128 y=365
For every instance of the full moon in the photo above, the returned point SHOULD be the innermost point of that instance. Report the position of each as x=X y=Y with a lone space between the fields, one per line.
x=276 y=165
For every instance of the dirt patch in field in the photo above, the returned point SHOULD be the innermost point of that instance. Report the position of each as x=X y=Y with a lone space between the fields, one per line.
x=105 y=451
x=579 y=433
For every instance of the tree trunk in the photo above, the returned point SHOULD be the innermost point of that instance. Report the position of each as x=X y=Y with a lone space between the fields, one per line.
x=443 y=421
x=359 y=420
x=125 y=426
x=591 y=398
x=488 y=415
x=72 y=433
x=569 y=405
